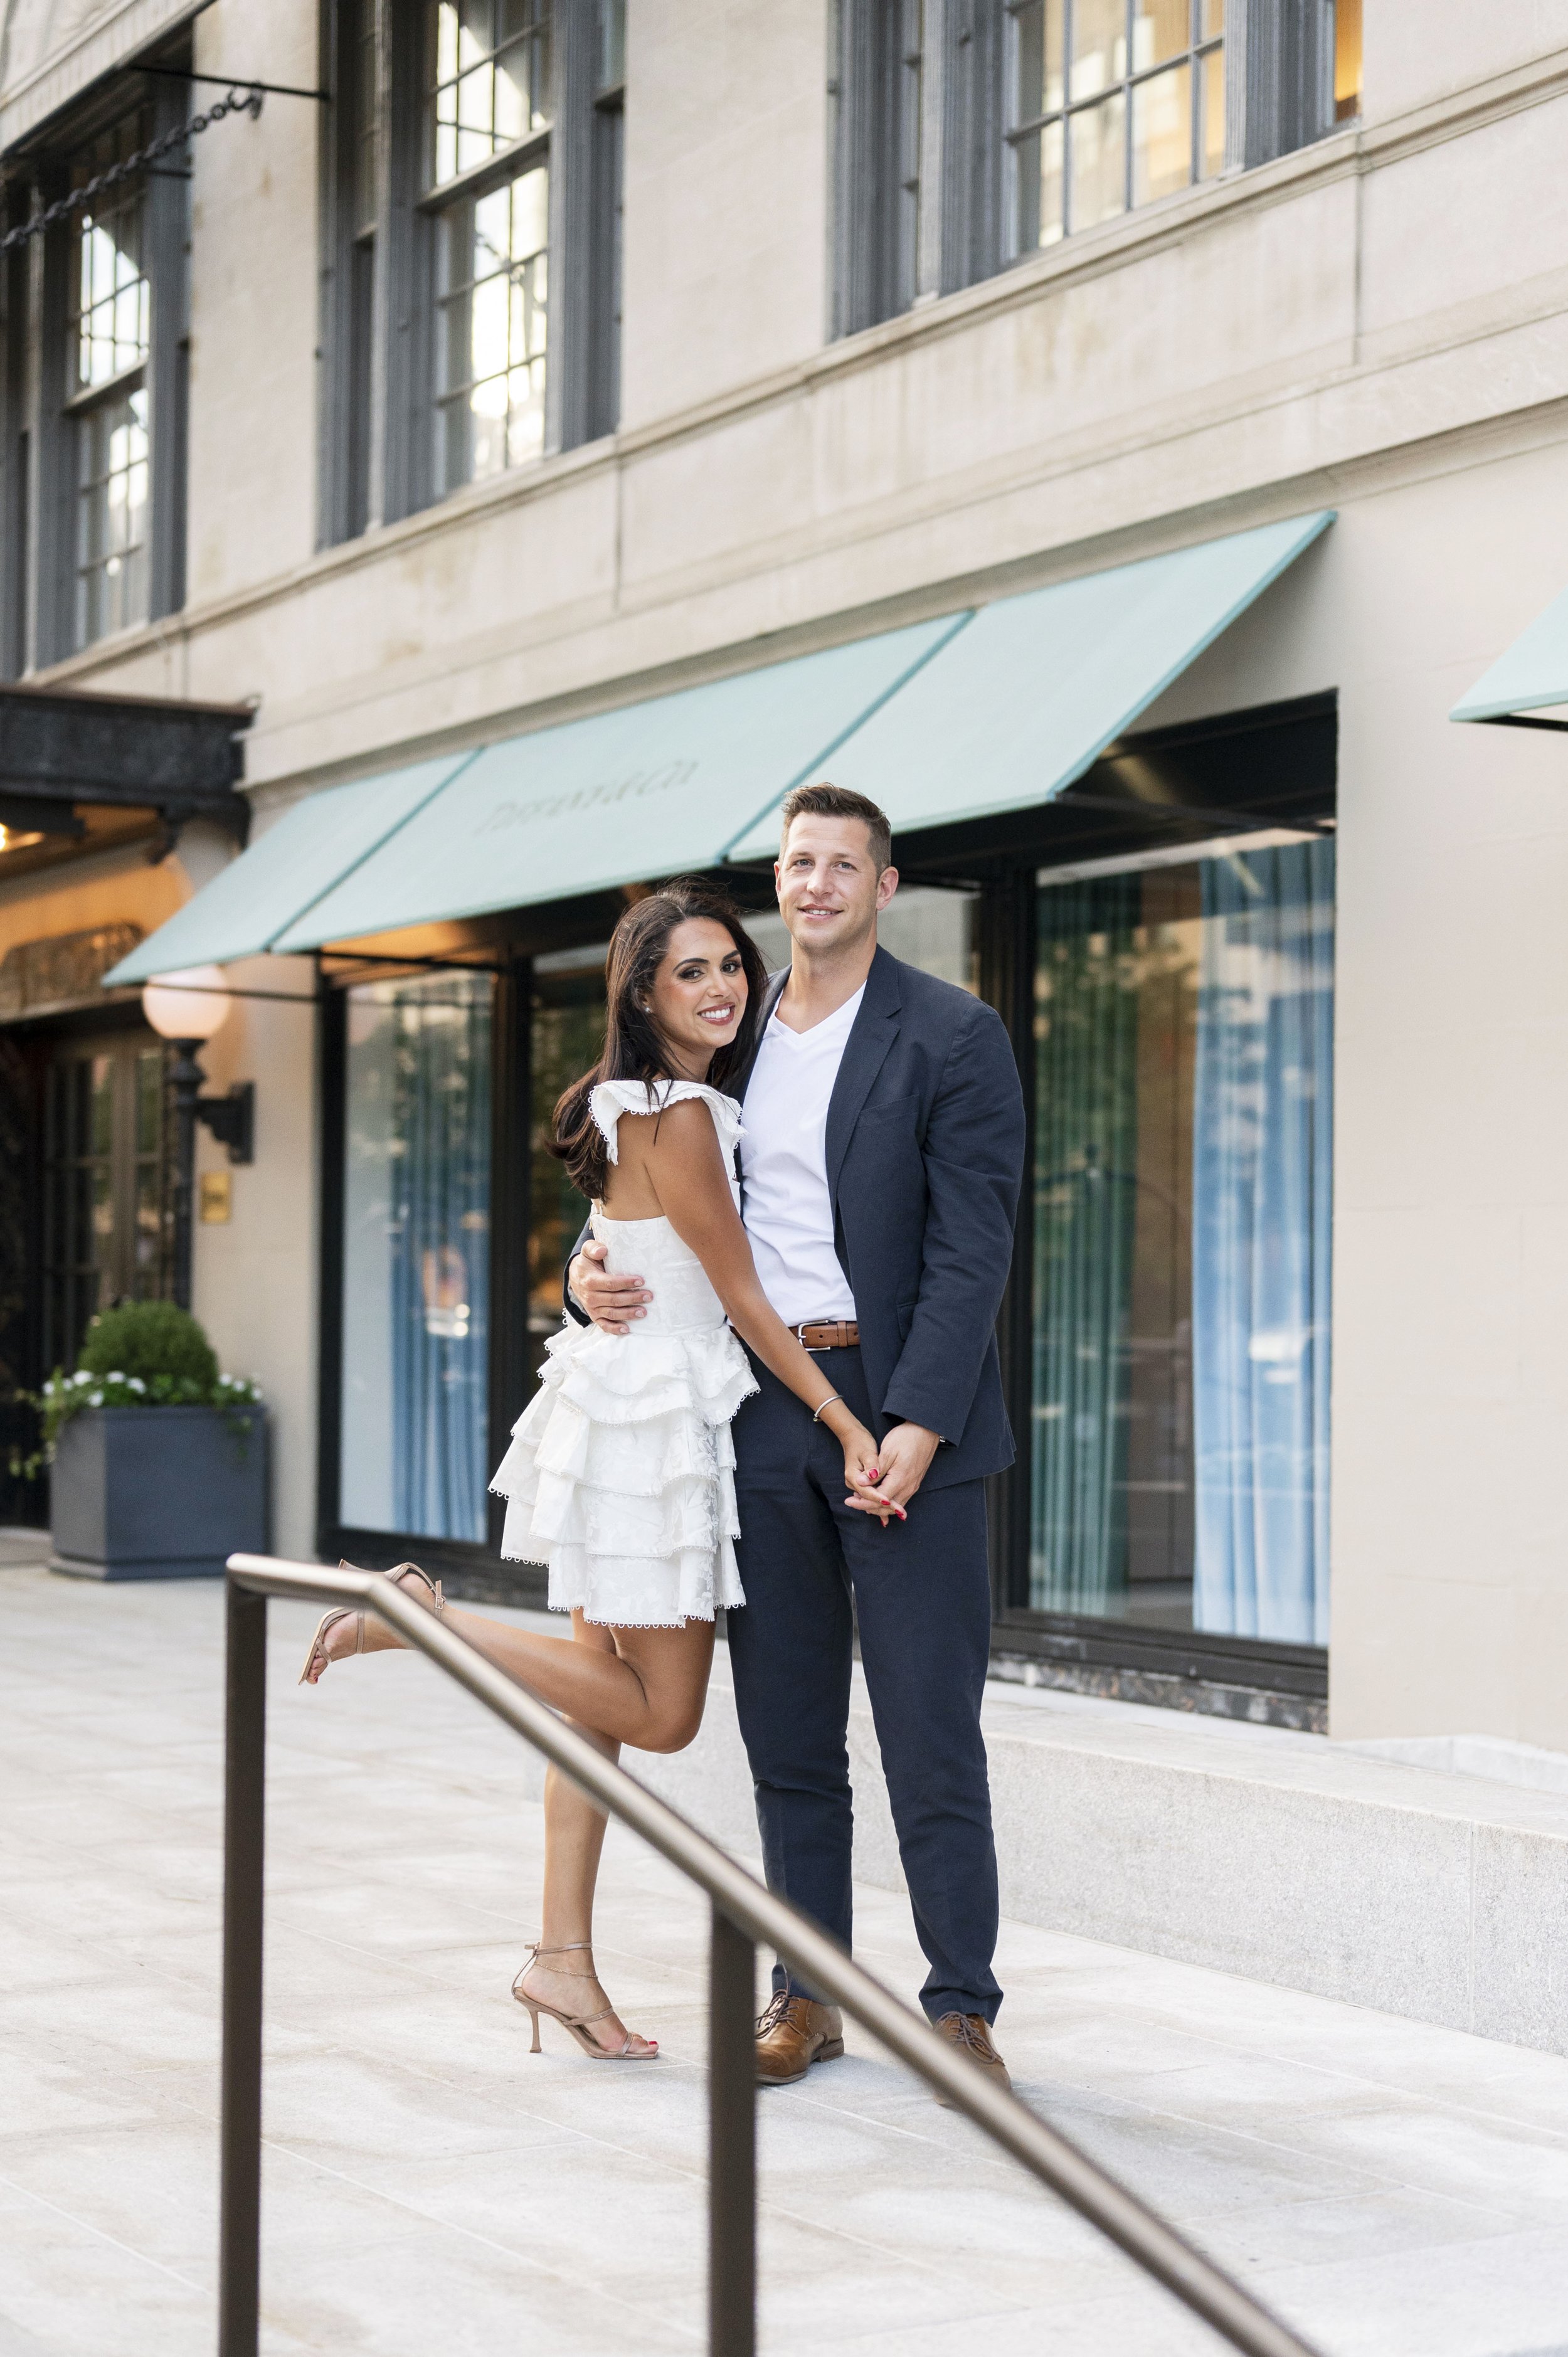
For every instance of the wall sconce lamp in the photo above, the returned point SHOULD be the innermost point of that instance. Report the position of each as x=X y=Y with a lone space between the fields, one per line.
x=186 y=1008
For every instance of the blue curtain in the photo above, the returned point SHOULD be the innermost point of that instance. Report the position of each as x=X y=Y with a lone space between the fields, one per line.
x=439 y=1172
x=1262 y=1158
x=1086 y=1203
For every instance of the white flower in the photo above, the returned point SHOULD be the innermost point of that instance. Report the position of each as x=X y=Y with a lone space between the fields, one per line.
x=95 y=1399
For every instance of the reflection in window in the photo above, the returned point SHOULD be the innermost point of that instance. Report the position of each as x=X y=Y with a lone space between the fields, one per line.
x=568 y=1033
x=1110 y=103
x=1182 y=1192
x=111 y=294
x=109 y=330
x=924 y=924
x=416 y=1220
x=491 y=294
x=493 y=81
x=111 y=517
x=1347 y=59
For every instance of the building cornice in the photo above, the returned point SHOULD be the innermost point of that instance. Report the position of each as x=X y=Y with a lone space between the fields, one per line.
x=1343 y=157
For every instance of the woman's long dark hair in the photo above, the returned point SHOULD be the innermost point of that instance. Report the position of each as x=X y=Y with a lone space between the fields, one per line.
x=633 y=1050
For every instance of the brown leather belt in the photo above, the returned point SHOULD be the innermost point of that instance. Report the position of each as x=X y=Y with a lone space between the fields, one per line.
x=832 y=1334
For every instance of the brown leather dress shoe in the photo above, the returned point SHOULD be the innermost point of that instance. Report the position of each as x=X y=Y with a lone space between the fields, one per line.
x=793 y=2033
x=971 y=2033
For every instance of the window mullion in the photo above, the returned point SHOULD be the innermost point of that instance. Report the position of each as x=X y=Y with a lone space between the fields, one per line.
x=400 y=468
x=168 y=243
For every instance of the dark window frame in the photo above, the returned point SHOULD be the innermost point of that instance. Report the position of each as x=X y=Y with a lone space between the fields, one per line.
x=45 y=410
x=378 y=397
x=1210 y=767
x=1278 y=96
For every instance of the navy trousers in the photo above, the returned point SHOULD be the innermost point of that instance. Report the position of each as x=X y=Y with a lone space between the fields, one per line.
x=921 y=1594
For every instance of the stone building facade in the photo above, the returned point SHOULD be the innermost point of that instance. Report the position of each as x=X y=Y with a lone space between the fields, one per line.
x=562 y=361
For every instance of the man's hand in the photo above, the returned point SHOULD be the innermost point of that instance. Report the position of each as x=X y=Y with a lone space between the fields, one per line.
x=904 y=1459
x=611 y=1301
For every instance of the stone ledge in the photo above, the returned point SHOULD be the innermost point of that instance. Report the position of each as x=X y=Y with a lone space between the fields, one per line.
x=1278 y=1856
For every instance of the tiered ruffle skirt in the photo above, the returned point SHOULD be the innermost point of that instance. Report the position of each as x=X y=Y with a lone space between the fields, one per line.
x=620 y=1475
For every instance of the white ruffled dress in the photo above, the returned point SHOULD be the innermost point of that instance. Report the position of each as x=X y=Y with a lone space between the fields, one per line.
x=620 y=1475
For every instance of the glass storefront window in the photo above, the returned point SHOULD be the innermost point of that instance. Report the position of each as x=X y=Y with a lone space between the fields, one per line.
x=416 y=1224
x=925 y=924
x=568 y=1032
x=1183 y=1063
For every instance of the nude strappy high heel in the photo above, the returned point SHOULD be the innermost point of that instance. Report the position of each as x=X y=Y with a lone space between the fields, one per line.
x=577 y=2023
x=345 y=1612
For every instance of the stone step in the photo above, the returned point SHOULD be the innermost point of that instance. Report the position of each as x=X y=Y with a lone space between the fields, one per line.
x=1417 y=1888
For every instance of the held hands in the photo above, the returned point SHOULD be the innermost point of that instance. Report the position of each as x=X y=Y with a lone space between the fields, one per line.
x=861 y=1467
x=900 y=1466
x=611 y=1302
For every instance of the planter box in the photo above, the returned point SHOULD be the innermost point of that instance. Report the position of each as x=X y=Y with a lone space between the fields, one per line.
x=158 y=1493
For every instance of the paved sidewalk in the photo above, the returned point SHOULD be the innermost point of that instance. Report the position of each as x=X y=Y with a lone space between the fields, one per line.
x=1395 y=2189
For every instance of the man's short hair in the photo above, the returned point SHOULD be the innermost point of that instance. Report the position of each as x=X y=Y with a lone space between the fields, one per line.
x=837 y=801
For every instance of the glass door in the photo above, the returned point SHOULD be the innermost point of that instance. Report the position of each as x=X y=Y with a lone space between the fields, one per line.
x=107 y=1141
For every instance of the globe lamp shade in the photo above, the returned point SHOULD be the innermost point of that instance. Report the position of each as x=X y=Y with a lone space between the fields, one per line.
x=192 y=1012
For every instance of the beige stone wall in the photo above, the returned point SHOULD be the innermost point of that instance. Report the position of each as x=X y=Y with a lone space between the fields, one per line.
x=1378 y=325
x=254 y=1280
x=726 y=123
x=254 y=323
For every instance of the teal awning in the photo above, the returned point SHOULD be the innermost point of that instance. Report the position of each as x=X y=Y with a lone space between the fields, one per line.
x=246 y=906
x=1530 y=678
x=978 y=713
x=1026 y=694
x=650 y=790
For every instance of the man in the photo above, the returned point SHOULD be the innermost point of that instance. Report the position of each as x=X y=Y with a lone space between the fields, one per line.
x=881 y=1164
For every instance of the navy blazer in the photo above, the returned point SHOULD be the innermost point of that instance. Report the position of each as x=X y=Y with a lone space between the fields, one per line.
x=925 y=1158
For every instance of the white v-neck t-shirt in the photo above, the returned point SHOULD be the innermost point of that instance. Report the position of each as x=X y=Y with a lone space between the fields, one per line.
x=783 y=1157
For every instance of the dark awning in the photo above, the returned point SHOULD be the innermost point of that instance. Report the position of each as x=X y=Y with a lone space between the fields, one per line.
x=59 y=747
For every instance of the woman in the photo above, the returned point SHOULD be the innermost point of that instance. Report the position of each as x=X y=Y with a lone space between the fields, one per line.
x=619 y=1476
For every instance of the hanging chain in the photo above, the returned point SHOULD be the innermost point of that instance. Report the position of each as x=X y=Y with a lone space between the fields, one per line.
x=238 y=102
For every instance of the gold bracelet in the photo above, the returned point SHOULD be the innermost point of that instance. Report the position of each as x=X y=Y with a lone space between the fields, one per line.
x=832 y=1400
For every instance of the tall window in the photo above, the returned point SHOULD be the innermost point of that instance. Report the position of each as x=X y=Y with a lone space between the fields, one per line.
x=970 y=134
x=1110 y=103
x=416 y=1223
x=1184 y=1051
x=471 y=314
x=110 y=338
x=490 y=99
x=881 y=88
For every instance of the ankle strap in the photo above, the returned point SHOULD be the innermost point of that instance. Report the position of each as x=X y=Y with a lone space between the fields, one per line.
x=570 y=1949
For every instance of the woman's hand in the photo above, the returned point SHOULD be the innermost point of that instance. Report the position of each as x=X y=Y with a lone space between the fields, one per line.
x=861 y=1472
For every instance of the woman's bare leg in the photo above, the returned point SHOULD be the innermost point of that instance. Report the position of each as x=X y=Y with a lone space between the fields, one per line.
x=648 y=1691
x=574 y=1838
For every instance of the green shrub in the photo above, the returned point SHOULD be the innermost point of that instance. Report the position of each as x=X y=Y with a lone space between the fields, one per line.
x=143 y=1354
x=147 y=1339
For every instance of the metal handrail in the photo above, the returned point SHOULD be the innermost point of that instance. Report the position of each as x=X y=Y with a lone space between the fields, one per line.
x=744 y=1913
